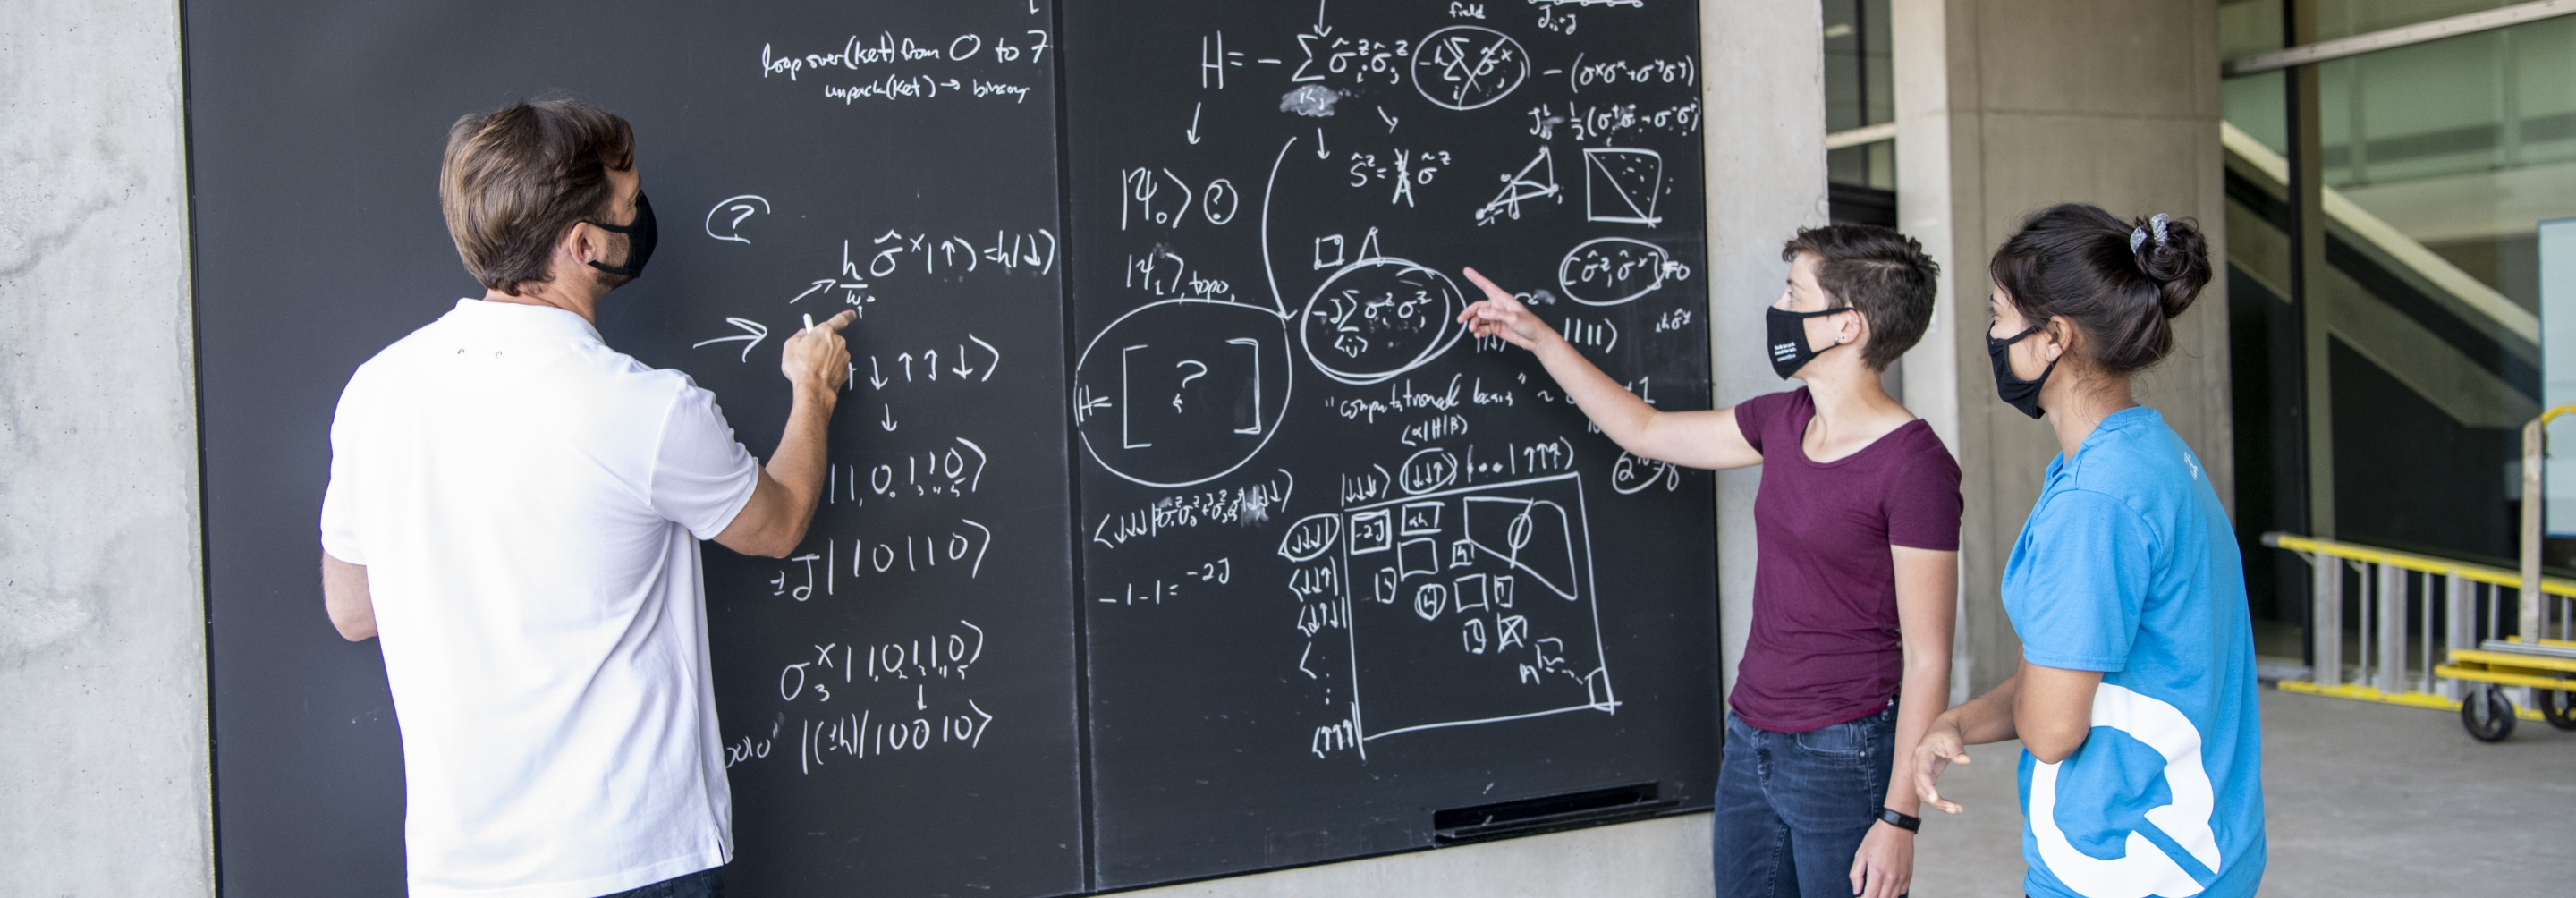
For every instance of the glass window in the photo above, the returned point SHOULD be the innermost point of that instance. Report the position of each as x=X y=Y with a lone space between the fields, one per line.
x=1860 y=90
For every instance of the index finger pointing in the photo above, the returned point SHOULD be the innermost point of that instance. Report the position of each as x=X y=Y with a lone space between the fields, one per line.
x=840 y=321
x=1491 y=291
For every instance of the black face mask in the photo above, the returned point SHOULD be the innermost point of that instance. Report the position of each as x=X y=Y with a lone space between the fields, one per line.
x=639 y=240
x=1788 y=338
x=2016 y=392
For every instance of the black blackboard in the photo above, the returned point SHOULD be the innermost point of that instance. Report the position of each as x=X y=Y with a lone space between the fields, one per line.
x=1345 y=568
x=983 y=680
x=897 y=700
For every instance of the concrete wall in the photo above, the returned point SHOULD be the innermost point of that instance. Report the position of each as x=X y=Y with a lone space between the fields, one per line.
x=2006 y=106
x=1765 y=92
x=103 y=765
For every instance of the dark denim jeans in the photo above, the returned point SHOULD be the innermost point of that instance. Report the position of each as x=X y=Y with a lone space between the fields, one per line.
x=707 y=883
x=1792 y=807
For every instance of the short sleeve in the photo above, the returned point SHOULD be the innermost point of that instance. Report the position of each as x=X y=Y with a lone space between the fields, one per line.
x=1753 y=415
x=1923 y=503
x=340 y=499
x=2078 y=584
x=702 y=477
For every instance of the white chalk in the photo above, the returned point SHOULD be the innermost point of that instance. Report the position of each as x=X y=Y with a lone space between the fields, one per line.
x=809 y=321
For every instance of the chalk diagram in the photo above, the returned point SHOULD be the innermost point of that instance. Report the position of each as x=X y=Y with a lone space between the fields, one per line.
x=1182 y=391
x=1621 y=184
x=1535 y=181
x=1466 y=67
x=1609 y=271
x=1378 y=317
x=1468 y=605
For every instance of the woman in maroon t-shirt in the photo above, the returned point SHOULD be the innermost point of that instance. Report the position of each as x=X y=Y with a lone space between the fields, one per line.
x=1857 y=527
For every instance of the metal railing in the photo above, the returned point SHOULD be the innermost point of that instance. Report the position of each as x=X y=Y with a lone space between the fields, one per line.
x=2454 y=605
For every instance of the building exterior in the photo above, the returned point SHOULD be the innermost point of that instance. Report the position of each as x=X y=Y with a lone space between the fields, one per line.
x=2364 y=381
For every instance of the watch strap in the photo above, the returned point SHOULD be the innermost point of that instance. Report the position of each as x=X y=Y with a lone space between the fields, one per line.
x=1906 y=822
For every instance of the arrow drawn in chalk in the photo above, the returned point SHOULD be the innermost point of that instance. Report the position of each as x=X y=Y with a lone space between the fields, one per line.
x=753 y=333
x=1193 y=132
x=962 y=368
x=1320 y=152
x=824 y=284
x=875 y=378
x=888 y=423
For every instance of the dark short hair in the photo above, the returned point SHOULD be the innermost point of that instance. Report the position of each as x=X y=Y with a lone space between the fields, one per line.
x=2078 y=262
x=515 y=180
x=1882 y=273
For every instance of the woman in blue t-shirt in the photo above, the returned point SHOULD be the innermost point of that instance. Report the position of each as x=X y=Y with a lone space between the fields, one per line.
x=2142 y=768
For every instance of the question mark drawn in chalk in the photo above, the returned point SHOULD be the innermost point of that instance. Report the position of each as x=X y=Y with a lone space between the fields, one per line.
x=1185 y=380
x=742 y=207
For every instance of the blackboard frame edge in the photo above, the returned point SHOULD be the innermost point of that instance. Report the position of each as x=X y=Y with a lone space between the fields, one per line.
x=1667 y=814
x=1085 y=800
x=196 y=365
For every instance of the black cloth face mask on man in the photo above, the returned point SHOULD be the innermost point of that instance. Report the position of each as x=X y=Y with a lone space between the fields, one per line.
x=639 y=239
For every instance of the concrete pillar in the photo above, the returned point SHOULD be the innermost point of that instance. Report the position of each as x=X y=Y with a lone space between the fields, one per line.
x=2006 y=106
x=1765 y=145
x=104 y=786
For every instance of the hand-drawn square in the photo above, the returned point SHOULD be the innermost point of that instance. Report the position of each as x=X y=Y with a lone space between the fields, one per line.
x=1470 y=594
x=1370 y=532
x=1498 y=538
x=1417 y=556
x=1421 y=518
x=1621 y=184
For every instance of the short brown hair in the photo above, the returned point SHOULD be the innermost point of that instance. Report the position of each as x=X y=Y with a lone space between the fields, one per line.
x=515 y=180
x=1882 y=273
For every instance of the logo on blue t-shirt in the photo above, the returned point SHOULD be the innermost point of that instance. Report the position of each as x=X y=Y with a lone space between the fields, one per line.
x=2162 y=819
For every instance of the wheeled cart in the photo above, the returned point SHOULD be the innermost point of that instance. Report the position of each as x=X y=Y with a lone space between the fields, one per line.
x=2547 y=666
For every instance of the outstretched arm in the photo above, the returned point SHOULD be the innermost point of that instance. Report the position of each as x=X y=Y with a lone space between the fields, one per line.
x=1699 y=439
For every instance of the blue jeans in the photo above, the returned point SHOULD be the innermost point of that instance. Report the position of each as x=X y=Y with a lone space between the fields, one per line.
x=707 y=883
x=1792 y=807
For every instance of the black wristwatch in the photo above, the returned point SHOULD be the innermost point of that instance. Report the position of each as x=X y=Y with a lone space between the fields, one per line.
x=1906 y=822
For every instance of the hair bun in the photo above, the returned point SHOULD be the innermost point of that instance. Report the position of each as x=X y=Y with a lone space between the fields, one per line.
x=2172 y=253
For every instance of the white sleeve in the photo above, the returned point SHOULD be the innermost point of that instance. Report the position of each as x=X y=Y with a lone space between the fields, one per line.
x=340 y=497
x=702 y=477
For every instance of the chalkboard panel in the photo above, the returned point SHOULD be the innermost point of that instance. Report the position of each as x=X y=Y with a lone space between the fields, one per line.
x=1349 y=581
x=1344 y=567
x=898 y=700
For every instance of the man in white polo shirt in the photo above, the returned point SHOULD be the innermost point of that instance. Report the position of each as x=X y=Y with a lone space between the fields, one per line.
x=515 y=510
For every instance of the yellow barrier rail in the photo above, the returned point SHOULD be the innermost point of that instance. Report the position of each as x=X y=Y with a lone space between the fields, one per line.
x=2556 y=586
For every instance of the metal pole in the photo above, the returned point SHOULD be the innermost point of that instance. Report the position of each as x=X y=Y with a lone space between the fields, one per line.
x=2532 y=501
x=2460 y=604
x=2325 y=619
x=2392 y=629
x=2307 y=269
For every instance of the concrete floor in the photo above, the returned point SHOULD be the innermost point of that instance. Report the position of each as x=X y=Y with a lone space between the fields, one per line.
x=2362 y=799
